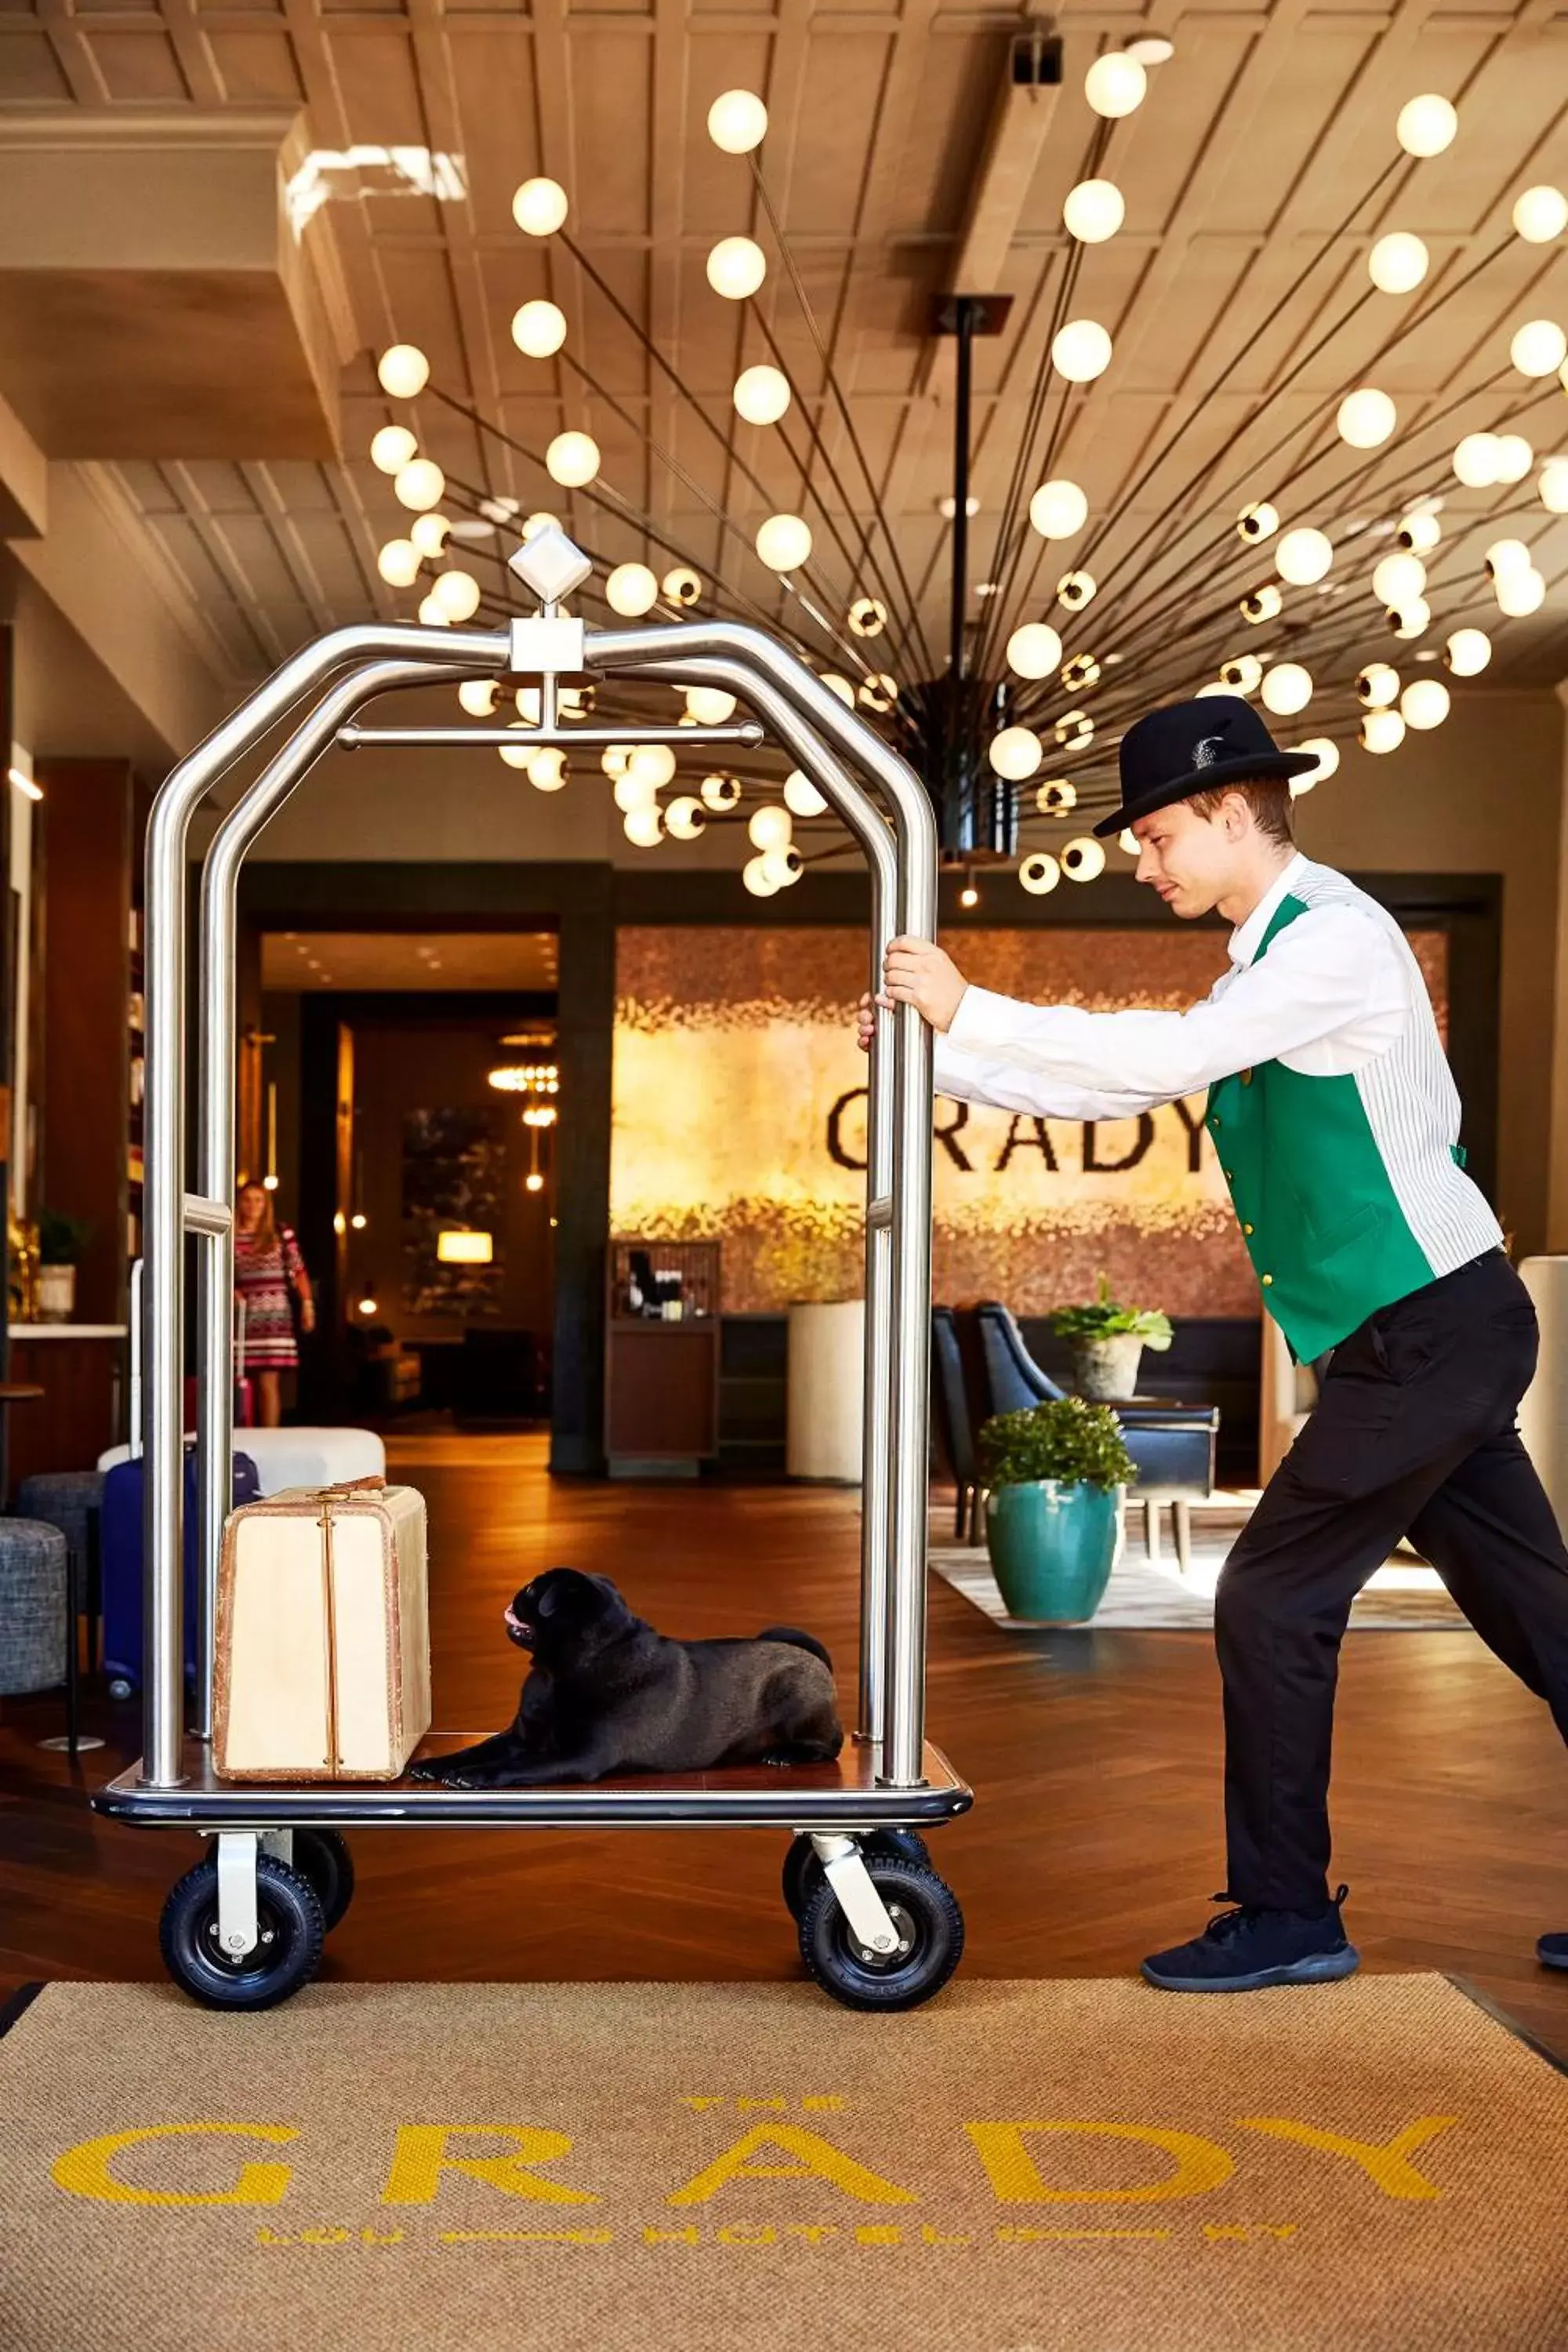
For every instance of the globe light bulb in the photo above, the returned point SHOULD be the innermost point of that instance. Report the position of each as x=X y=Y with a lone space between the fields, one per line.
x=517 y=755
x=1304 y=556
x=709 y=705
x=419 y=484
x=754 y=874
x=392 y=447
x=1467 y=652
x=1057 y=798
x=784 y=542
x=1381 y=732
x=1115 y=85
x=737 y=122
x=430 y=533
x=398 y=562
x=1016 y=753
x=1426 y=126
x=762 y=395
x=769 y=828
x=785 y=866
x=630 y=791
x=644 y=826
x=1059 y=509
x=1075 y=590
x=867 y=616
x=685 y=818
x=1506 y=555
x=1035 y=650
x=431 y=616
x=802 y=797
x=1520 y=593
x=1419 y=532
x=402 y=372
x=1083 y=860
x=1327 y=755
x=736 y=267
x=457 y=594
x=1410 y=620
x=631 y=590
x=1398 y=578
x=680 y=586
x=1128 y=840
x=1398 y=263
x=1541 y=215
x=572 y=459
x=1425 y=703
x=1378 y=685
x=1475 y=460
x=1080 y=351
x=1257 y=522
x=720 y=793
x=531 y=525
x=614 y=758
x=1243 y=674
x=1366 y=418
x=1263 y=603
x=528 y=704
x=539 y=208
x=1093 y=211
x=1514 y=458
x=477 y=697
x=1553 y=486
x=547 y=768
x=539 y=329
x=651 y=763
x=1539 y=348
x=1287 y=688
x=1039 y=873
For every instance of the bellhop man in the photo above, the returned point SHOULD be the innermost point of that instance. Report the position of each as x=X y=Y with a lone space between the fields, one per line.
x=1336 y=1121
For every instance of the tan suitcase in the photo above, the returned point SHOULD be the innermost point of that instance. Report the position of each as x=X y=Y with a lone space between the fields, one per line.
x=323 y=1670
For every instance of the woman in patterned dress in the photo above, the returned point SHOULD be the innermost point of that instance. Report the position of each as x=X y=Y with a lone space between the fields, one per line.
x=267 y=1266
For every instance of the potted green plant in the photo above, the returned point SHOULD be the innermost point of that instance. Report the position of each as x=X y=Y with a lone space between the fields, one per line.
x=1057 y=1476
x=1107 y=1340
x=61 y=1241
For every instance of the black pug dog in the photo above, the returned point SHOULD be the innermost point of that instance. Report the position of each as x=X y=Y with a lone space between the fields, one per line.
x=607 y=1694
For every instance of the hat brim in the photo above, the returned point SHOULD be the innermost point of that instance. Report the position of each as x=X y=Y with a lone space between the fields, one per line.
x=1260 y=764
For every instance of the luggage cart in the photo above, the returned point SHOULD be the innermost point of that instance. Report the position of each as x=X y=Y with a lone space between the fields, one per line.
x=878 y=1929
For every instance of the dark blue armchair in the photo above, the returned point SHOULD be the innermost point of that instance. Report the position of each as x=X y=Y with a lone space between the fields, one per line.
x=1171 y=1445
x=955 y=1421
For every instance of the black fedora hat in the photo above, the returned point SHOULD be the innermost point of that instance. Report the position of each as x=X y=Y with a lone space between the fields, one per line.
x=1192 y=747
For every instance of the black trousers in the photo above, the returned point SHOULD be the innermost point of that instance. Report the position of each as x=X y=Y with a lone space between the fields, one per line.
x=1415 y=1432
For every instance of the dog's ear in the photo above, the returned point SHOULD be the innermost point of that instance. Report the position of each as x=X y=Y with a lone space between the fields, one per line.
x=549 y=1597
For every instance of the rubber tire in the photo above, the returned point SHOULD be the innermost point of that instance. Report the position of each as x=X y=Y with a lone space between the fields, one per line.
x=323 y=1856
x=803 y=1872
x=285 y=1905
x=828 y=1951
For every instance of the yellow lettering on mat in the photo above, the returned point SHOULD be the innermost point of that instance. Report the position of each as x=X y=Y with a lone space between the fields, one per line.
x=1387 y=2164
x=1201 y=2164
x=818 y=2160
x=421 y=2158
x=84 y=2170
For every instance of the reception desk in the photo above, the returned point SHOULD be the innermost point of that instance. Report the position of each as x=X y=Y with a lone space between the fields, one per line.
x=81 y=1369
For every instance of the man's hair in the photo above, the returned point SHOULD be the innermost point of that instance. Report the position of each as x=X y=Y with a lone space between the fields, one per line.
x=1268 y=798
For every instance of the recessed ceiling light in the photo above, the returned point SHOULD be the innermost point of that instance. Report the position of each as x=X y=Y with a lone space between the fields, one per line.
x=1427 y=653
x=1112 y=660
x=987 y=588
x=949 y=506
x=1150 y=49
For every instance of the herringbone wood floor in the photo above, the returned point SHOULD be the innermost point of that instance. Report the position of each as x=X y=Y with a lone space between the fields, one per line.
x=1094 y=1837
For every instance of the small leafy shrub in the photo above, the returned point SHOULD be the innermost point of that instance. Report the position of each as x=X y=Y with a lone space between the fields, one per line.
x=1106 y=1320
x=62 y=1239
x=1064 y=1439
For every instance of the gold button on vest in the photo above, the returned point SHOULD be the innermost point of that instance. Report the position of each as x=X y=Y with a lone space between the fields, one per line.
x=1248 y=1231
x=1266 y=1280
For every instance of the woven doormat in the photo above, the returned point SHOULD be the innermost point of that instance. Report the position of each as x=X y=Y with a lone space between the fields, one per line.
x=1371 y=2166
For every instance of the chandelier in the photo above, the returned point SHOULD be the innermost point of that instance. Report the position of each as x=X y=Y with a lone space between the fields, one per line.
x=1333 y=597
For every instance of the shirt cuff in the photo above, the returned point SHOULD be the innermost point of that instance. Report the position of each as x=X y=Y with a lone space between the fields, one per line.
x=983 y=1022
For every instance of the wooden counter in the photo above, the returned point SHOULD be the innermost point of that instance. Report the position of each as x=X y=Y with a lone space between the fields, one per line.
x=81 y=1369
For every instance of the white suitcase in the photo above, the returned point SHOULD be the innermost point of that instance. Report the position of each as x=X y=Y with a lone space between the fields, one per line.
x=323 y=1670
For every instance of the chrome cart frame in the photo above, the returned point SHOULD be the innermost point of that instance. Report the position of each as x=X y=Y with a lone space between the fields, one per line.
x=890 y=1779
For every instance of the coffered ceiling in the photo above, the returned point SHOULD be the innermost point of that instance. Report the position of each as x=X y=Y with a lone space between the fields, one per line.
x=1257 y=175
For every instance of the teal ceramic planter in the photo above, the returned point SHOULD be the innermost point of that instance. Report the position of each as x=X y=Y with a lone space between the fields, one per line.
x=1052 y=1547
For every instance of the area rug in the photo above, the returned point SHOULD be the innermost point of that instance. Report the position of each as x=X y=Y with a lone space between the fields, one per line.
x=1153 y=1596
x=1360 y=2167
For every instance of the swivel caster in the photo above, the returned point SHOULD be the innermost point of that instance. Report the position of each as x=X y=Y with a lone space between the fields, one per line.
x=928 y=1924
x=803 y=1870
x=323 y=1856
x=290 y=1932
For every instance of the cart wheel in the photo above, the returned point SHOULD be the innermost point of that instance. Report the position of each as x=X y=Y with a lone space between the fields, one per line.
x=323 y=1856
x=930 y=1940
x=118 y=1687
x=803 y=1871
x=288 y=1922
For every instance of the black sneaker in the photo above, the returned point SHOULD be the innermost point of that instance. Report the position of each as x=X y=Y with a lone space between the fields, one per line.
x=1551 y=1951
x=1242 y=1951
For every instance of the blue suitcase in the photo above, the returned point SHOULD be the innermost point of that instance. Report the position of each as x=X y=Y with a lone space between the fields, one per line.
x=120 y=1552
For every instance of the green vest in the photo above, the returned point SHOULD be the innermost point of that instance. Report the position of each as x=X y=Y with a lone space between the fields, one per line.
x=1329 y=1241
